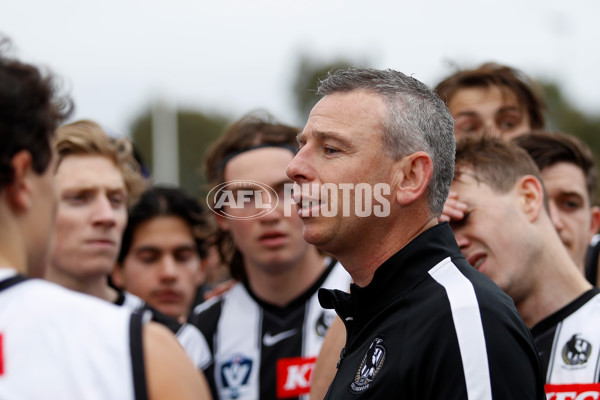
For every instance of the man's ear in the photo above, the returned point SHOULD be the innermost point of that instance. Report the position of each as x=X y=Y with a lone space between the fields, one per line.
x=412 y=176
x=19 y=190
x=531 y=196
x=594 y=221
x=117 y=276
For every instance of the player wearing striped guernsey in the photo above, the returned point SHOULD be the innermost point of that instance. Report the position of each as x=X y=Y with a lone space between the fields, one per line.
x=421 y=323
x=55 y=343
x=266 y=331
x=507 y=234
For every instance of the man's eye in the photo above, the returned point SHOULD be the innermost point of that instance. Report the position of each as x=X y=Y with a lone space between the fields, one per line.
x=468 y=128
x=456 y=224
x=148 y=258
x=467 y=124
x=117 y=201
x=570 y=205
x=77 y=198
x=330 y=150
x=507 y=125
x=184 y=256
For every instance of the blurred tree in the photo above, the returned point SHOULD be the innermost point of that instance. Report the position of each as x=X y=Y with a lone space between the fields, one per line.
x=308 y=74
x=565 y=117
x=196 y=132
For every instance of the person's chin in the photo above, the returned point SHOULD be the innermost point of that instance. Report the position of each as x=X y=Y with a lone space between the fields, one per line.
x=169 y=309
x=317 y=237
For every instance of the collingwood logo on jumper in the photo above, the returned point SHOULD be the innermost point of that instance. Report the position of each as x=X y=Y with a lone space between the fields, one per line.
x=323 y=323
x=576 y=351
x=235 y=374
x=369 y=367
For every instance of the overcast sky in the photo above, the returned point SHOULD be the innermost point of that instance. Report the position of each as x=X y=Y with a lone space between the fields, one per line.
x=117 y=56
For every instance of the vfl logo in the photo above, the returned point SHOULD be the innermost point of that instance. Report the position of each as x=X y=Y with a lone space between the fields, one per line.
x=235 y=374
x=323 y=323
x=370 y=365
x=576 y=351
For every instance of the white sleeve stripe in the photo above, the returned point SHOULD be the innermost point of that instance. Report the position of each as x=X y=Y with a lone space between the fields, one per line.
x=469 y=328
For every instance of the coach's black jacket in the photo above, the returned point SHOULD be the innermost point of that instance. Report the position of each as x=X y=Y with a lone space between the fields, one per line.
x=430 y=326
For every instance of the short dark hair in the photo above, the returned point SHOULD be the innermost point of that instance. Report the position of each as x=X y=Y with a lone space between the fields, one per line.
x=496 y=162
x=549 y=148
x=493 y=74
x=160 y=201
x=30 y=111
x=250 y=131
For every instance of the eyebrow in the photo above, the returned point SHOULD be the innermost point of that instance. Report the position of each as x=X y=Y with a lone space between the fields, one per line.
x=326 y=135
x=570 y=193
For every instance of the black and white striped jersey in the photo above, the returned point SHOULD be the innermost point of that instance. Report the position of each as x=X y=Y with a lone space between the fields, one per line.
x=260 y=351
x=187 y=335
x=568 y=344
x=428 y=327
x=59 y=344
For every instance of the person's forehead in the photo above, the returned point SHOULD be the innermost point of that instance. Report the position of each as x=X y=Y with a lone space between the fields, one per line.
x=350 y=118
x=262 y=164
x=163 y=231
x=88 y=170
x=346 y=110
x=483 y=96
x=565 y=177
x=469 y=180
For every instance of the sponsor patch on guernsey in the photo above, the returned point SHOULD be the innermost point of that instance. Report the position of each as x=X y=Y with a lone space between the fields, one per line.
x=584 y=391
x=294 y=376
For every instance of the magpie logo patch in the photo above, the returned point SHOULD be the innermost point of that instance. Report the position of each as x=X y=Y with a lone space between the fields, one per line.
x=369 y=367
x=323 y=323
x=576 y=351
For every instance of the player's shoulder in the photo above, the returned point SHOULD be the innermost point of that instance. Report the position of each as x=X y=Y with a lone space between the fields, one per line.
x=236 y=292
x=47 y=300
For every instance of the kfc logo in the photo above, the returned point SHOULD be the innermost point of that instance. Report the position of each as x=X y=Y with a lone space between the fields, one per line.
x=294 y=376
x=589 y=391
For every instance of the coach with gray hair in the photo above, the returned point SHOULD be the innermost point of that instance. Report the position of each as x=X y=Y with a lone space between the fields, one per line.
x=421 y=323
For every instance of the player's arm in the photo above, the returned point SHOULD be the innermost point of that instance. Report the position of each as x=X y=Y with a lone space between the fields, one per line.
x=325 y=368
x=170 y=373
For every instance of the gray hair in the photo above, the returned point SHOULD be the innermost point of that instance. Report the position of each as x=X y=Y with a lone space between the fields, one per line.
x=417 y=120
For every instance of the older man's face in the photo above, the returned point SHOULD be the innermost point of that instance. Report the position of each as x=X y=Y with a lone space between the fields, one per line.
x=341 y=144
